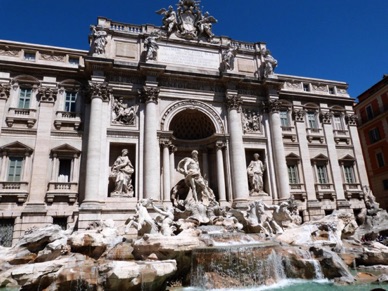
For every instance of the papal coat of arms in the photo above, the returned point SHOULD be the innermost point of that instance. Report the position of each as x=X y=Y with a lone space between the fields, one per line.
x=187 y=21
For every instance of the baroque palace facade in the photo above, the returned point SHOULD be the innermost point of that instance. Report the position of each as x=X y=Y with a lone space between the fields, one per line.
x=85 y=135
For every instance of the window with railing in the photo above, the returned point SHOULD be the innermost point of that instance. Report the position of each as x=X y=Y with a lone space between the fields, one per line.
x=349 y=174
x=338 y=122
x=312 y=120
x=284 y=118
x=322 y=174
x=70 y=101
x=293 y=176
x=15 y=169
x=24 y=98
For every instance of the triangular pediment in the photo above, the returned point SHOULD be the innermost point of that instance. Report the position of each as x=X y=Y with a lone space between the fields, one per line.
x=292 y=156
x=16 y=147
x=320 y=157
x=347 y=158
x=65 y=149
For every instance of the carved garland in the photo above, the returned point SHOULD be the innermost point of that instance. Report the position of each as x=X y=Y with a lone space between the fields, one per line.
x=299 y=114
x=352 y=119
x=326 y=117
x=193 y=104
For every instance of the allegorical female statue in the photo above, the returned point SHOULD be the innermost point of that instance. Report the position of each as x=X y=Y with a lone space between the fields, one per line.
x=122 y=171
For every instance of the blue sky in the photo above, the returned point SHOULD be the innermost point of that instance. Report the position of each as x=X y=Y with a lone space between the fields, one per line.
x=343 y=40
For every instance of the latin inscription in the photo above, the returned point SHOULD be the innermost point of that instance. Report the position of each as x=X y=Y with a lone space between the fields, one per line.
x=186 y=57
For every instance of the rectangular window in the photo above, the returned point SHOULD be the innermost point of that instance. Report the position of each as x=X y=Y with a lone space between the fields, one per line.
x=385 y=184
x=306 y=87
x=374 y=135
x=73 y=61
x=61 y=221
x=349 y=174
x=24 y=98
x=293 y=174
x=6 y=232
x=380 y=160
x=337 y=122
x=331 y=90
x=15 y=169
x=70 y=101
x=311 y=119
x=64 y=170
x=322 y=174
x=284 y=119
x=28 y=56
x=369 y=112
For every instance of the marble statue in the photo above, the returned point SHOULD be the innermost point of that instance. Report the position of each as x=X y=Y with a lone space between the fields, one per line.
x=228 y=56
x=151 y=46
x=169 y=19
x=142 y=220
x=123 y=114
x=270 y=63
x=189 y=167
x=165 y=220
x=204 y=24
x=255 y=172
x=99 y=40
x=122 y=171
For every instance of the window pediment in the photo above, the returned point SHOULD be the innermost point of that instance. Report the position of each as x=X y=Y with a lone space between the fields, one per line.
x=16 y=147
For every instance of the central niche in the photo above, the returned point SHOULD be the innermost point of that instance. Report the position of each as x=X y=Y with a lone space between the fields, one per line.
x=191 y=124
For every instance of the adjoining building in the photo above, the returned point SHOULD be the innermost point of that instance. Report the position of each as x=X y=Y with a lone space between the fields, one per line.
x=372 y=111
x=85 y=135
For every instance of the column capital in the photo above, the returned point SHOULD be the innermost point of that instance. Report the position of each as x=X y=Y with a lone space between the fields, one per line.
x=274 y=105
x=351 y=119
x=326 y=117
x=220 y=145
x=299 y=114
x=100 y=90
x=4 y=91
x=165 y=142
x=48 y=94
x=149 y=94
x=234 y=101
x=172 y=148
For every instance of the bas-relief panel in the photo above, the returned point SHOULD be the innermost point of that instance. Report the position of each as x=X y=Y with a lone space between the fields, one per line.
x=126 y=50
x=247 y=66
x=188 y=57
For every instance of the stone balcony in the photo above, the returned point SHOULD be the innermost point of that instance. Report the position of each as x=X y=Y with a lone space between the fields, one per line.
x=298 y=191
x=289 y=133
x=315 y=134
x=325 y=191
x=13 y=191
x=21 y=116
x=353 y=190
x=341 y=136
x=67 y=119
x=62 y=192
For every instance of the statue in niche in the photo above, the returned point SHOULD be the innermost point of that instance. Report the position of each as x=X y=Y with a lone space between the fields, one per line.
x=151 y=46
x=123 y=114
x=250 y=121
x=270 y=63
x=255 y=172
x=99 y=40
x=200 y=192
x=228 y=56
x=122 y=171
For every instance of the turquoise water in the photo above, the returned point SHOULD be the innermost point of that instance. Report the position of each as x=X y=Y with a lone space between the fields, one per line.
x=299 y=285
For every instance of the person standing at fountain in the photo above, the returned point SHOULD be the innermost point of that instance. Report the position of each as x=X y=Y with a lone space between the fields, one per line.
x=255 y=172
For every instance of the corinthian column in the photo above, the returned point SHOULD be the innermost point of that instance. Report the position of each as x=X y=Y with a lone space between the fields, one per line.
x=237 y=152
x=166 y=169
x=99 y=92
x=150 y=95
x=220 y=172
x=278 y=148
